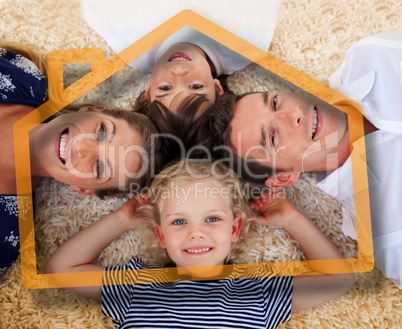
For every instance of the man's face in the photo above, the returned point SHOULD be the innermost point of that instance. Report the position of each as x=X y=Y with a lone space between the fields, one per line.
x=287 y=131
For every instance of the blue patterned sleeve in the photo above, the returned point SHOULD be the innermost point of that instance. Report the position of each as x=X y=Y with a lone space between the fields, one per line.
x=21 y=82
x=9 y=232
x=11 y=206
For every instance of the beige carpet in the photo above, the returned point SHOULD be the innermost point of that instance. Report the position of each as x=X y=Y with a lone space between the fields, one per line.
x=311 y=35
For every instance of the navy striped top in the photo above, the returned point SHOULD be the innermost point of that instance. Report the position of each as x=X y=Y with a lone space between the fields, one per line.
x=257 y=302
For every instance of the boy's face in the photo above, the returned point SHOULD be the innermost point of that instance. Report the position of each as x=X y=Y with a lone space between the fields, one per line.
x=183 y=71
x=288 y=131
x=197 y=224
x=88 y=149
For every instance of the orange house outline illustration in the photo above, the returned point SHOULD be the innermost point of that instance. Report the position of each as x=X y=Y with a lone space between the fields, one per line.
x=102 y=69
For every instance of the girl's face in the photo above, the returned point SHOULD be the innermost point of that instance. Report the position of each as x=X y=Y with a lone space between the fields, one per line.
x=197 y=224
x=88 y=149
x=183 y=71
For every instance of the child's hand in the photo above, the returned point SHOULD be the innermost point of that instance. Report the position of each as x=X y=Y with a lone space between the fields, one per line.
x=128 y=210
x=275 y=209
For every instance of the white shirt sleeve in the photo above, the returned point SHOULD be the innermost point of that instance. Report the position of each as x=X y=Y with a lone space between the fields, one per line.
x=122 y=22
x=371 y=74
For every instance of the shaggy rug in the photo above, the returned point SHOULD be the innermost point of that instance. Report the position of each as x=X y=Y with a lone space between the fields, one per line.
x=312 y=36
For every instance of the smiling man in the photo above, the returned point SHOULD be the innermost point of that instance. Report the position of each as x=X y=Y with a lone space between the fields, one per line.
x=289 y=132
x=276 y=137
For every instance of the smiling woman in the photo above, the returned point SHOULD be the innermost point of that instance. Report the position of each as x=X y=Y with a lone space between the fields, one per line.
x=95 y=150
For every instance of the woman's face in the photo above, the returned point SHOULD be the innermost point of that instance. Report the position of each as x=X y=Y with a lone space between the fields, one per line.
x=87 y=149
x=183 y=71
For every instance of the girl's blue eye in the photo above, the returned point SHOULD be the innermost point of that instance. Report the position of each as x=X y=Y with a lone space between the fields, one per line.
x=179 y=222
x=196 y=86
x=102 y=132
x=165 y=88
x=212 y=219
x=99 y=169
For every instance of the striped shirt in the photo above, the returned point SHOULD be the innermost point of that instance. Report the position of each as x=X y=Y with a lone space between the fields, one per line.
x=258 y=302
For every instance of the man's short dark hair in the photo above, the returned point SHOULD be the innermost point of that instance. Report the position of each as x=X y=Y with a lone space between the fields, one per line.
x=219 y=122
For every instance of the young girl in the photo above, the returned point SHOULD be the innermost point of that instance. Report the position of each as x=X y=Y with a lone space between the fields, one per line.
x=199 y=214
x=95 y=151
x=189 y=71
x=185 y=64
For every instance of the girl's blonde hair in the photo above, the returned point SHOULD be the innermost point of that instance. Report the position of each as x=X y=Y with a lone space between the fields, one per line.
x=187 y=171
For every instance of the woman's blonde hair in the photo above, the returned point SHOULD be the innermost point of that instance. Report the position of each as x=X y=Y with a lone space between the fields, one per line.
x=187 y=171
